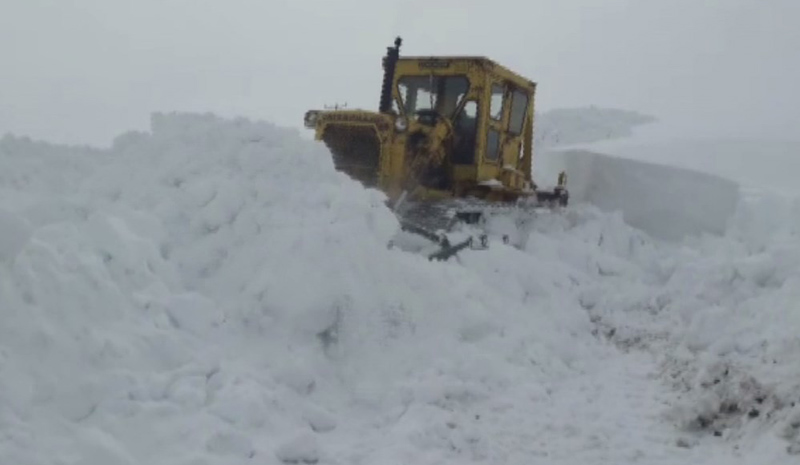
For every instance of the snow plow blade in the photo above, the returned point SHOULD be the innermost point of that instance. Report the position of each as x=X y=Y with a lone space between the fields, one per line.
x=448 y=251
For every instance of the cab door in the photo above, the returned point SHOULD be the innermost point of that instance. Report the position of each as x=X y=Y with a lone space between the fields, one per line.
x=514 y=129
x=497 y=123
x=508 y=110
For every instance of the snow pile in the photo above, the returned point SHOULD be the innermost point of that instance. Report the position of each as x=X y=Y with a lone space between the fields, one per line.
x=214 y=292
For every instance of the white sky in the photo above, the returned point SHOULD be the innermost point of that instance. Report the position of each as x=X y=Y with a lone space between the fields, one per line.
x=83 y=71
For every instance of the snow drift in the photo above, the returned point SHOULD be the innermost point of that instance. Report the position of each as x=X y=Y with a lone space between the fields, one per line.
x=214 y=292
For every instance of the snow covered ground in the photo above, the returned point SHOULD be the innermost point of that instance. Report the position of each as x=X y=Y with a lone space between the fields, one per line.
x=213 y=292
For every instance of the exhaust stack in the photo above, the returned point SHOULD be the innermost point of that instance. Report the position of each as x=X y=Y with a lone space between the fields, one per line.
x=389 y=62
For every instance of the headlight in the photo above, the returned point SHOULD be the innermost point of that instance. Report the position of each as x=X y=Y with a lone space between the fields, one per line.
x=311 y=118
x=401 y=124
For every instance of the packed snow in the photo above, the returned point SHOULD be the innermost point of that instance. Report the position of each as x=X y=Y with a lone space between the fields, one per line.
x=213 y=292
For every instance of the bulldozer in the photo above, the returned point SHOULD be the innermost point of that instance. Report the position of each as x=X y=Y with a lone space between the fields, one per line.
x=452 y=139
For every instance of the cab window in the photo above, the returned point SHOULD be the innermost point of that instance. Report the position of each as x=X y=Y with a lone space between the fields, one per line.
x=466 y=131
x=440 y=93
x=519 y=107
x=496 y=104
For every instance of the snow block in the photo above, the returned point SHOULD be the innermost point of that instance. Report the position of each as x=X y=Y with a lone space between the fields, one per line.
x=669 y=203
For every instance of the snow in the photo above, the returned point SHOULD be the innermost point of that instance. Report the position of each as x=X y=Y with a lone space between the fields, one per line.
x=491 y=183
x=16 y=232
x=212 y=291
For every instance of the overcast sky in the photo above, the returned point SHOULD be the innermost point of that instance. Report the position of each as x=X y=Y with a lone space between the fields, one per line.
x=83 y=71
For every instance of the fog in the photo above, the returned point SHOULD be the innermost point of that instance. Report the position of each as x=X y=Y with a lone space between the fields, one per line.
x=83 y=71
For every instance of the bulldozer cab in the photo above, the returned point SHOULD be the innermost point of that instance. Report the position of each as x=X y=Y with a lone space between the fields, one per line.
x=447 y=126
x=488 y=109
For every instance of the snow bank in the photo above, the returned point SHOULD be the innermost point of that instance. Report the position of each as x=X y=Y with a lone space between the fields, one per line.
x=753 y=163
x=212 y=291
x=667 y=202
x=569 y=126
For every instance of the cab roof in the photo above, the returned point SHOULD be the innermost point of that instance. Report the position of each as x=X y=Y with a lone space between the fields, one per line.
x=445 y=61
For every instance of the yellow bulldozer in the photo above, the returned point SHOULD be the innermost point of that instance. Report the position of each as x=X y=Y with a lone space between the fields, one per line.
x=453 y=136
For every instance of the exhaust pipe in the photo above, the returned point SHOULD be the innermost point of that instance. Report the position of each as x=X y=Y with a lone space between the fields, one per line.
x=389 y=62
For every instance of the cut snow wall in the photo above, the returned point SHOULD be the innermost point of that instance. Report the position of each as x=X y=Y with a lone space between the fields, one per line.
x=667 y=202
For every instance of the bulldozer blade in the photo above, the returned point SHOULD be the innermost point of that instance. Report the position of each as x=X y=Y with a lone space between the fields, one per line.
x=448 y=251
x=411 y=227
